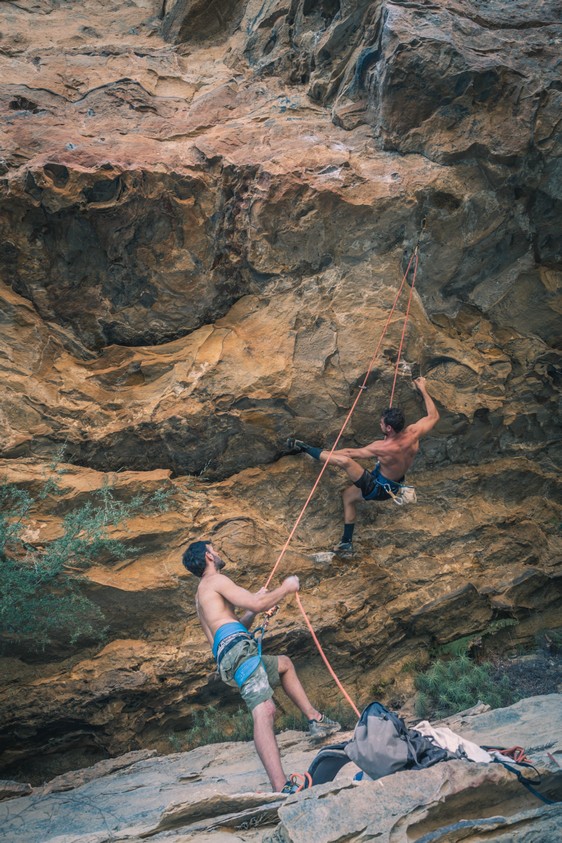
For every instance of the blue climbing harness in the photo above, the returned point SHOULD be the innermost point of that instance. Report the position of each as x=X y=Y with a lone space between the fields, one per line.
x=390 y=487
x=249 y=667
x=230 y=634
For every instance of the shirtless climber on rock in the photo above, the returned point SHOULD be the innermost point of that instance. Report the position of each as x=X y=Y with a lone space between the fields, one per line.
x=239 y=662
x=395 y=455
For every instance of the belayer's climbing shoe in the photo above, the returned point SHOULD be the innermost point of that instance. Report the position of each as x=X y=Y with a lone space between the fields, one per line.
x=344 y=548
x=323 y=727
x=295 y=446
x=297 y=782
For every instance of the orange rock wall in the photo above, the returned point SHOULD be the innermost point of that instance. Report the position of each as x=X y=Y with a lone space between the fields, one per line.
x=205 y=212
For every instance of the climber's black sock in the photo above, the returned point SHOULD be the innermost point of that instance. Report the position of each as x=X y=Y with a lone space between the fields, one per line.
x=348 y=532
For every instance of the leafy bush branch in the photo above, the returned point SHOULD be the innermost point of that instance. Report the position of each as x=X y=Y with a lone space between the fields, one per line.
x=40 y=586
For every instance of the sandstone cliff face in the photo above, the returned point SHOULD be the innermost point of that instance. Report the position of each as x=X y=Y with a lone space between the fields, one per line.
x=205 y=215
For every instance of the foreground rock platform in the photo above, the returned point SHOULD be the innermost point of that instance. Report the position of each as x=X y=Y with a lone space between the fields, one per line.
x=218 y=793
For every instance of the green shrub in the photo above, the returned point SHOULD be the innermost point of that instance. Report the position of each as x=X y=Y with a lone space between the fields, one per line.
x=213 y=726
x=464 y=645
x=40 y=585
x=456 y=684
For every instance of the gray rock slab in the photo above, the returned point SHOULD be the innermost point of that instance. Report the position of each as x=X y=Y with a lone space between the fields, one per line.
x=9 y=789
x=220 y=793
x=168 y=797
x=453 y=801
x=534 y=723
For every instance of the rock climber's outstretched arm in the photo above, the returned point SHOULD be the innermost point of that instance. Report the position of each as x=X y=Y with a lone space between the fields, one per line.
x=429 y=421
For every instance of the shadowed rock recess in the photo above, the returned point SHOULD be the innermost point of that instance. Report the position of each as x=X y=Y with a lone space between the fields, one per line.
x=205 y=213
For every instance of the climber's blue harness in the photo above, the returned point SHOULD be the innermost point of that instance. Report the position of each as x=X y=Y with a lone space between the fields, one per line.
x=230 y=634
x=382 y=483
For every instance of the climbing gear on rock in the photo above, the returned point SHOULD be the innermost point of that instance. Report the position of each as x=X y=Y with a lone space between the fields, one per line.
x=406 y=494
x=296 y=782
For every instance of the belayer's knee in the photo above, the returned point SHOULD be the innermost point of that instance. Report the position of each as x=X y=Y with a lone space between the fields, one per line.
x=264 y=711
x=285 y=664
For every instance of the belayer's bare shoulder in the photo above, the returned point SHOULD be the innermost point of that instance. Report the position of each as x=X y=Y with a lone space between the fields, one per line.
x=219 y=581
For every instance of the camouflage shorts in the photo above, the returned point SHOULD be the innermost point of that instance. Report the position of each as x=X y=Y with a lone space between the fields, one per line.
x=259 y=686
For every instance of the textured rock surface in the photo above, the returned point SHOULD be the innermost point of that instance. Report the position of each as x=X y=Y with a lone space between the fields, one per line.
x=204 y=217
x=448 y=802
x=219 y=791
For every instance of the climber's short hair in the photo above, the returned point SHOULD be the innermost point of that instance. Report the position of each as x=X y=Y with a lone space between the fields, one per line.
x=394 y=418
x=194 y=557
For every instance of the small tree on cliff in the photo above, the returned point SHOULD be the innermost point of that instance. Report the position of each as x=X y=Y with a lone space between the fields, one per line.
x=41 y=585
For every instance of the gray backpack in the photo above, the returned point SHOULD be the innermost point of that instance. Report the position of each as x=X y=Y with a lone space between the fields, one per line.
x=382 y=744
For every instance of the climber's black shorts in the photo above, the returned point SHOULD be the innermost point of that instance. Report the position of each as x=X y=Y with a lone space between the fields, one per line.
x=372 y=485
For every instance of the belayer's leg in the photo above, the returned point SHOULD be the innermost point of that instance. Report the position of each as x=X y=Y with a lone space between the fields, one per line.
x=319 y=725
x=266 y=745
x=293 y=688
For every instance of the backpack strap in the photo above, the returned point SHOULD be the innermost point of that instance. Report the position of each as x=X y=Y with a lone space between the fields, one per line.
x=525 y=782
x=328 y=763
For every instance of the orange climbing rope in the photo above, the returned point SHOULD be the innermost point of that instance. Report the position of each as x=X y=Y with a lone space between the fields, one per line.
x=414 y=257
x=348 y=417
x=326 y=662
x=406 y=317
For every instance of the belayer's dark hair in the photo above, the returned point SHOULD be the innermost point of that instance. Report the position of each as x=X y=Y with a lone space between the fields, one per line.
x=394 y=418
x=194 y=558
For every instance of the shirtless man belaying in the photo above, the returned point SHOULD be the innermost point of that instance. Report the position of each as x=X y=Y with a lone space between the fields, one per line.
x=395 y=454
x=236 y=652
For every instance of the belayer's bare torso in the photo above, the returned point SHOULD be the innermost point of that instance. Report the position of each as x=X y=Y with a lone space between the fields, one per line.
x=218 y=596
x=213 y=610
